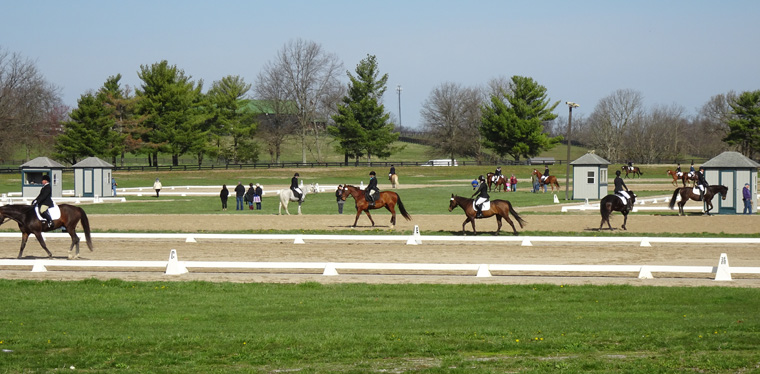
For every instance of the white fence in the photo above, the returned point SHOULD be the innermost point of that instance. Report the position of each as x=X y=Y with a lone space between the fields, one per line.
x=173 y=266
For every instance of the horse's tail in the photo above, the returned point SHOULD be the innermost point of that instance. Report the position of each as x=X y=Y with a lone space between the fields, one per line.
x=402 y=210
x=86 y=227
x=673 y=199
x=517 y=216
x=556 y=182
x=604 y=211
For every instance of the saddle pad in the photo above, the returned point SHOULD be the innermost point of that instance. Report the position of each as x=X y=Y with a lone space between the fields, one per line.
x=625 y=201
x=55 y=212
x=486 y=205
x=696 y=190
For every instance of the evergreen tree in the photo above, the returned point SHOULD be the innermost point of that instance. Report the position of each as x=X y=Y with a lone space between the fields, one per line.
x=232 y=119
x=87 y=133
x=744 y=126
x=361 y=125
x=513 y=122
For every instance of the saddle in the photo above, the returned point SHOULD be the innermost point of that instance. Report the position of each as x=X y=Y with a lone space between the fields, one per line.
x=486 y=205
x=55 y=212
x=622 y=197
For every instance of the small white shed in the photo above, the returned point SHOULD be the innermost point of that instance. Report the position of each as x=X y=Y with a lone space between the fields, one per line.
x=589 y=177
x=31 y=177
x=92 y=177
x=733 y=170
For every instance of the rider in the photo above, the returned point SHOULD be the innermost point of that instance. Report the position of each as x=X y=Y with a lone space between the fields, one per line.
x=45 y=200
x=691 y=170
x=679 y=173
x=546 y=173
x=371 y=186
x=701 y=183
x=482 y=194
x=294 y=187
x=630 y=165
x=621 y=189
x=497 y=174
x=392 y=171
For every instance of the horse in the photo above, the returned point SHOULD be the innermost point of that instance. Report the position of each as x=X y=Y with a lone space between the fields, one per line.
x=489 y=180
x=394 y=180
x=29 y=223
x=684 y=178
x=686 y=194
x=611 y=203
x=550 y=180
x=499 y=208
x=636 y=171
x=287 y=196
x=387 y=199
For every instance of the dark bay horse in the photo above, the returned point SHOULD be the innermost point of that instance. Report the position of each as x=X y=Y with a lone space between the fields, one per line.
x=636 y=171
x=28 y=223
x=550 y=180
x=687 y=193
x=499 y=208
x=387 y=200
x=611 y=203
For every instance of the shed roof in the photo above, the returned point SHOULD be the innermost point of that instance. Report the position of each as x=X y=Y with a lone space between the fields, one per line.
x=590 y=159
x=731 y=160
x=42 y=162
x=92 y=162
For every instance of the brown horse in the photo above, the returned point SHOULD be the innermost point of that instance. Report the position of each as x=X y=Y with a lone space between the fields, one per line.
x=686 y=194
x=550 y=180
x=501 y=182
x=394 y=180
x=387 y=199
x=611 y=203
x=633 y=170
x=684 y=178
x=29 y=223
x=499 y=208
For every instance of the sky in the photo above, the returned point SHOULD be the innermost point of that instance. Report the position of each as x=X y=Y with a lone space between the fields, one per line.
x=676 y=52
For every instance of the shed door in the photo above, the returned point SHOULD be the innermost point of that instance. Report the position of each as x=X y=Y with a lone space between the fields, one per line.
x=728 y=179
x=88 y=183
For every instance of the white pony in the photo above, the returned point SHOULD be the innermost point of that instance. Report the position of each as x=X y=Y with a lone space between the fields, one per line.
x=287 y=196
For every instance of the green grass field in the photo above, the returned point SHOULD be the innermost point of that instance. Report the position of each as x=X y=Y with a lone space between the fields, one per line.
x=197 y=327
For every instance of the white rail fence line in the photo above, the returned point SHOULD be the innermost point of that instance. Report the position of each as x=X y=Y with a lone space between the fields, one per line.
x=175 y=267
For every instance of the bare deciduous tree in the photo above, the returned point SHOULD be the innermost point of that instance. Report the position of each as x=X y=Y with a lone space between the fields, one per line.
x=306 y=76
x=610 y=120
x=451 y=116
x=30 y=107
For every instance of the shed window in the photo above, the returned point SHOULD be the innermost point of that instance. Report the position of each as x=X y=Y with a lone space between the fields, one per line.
x=591 y=177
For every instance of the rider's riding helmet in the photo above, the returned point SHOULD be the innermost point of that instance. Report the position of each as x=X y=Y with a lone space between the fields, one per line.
x=296 y=175
x=372 y=173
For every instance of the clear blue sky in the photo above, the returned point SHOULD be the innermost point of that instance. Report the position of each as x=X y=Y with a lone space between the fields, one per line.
x=674 y=52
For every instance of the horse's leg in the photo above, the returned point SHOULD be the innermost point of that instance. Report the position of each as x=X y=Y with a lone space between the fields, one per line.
x=392 y=209
x=625 y=218
x=42 y=243
x=24 y=238
x=370 y=217
x=74 y=242
x=299 y=208
x=358 y=213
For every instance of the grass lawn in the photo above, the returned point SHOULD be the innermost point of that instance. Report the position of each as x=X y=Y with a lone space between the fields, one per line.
x=199 y=327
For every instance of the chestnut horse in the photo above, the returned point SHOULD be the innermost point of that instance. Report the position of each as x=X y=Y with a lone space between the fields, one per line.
x=499 y=208
x=501 y=182
x=683 y=178
x=29 y=223
x=687 y=193
x=611 y=203
x=386 y=199
x=550 y=180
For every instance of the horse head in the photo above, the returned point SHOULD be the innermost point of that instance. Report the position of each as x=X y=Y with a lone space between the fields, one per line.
x=452 y=203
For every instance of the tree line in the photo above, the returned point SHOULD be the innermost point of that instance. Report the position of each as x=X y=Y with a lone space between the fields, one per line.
x=299 y=94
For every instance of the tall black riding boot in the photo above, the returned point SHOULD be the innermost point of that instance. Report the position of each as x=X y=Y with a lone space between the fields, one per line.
x=479 y=213
x=48 y=219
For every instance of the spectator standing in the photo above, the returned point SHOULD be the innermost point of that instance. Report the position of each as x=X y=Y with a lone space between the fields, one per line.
x=747 y=197
x=113 y=186
x=223 y=195
x=339 y=198
x=249 y=196
x=239 y=193
x=513 y=182
x=534 y=182
x=157 y=186
x=257 y=196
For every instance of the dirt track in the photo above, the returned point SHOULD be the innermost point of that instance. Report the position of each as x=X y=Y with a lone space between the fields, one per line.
x=428 y=252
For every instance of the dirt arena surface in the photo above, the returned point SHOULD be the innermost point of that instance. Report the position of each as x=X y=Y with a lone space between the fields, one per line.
x=429 y=252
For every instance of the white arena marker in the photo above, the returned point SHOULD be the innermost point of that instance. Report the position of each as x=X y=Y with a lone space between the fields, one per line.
x=330 y=269
x=483 y=271
x=190 y=239
x=723 y=273
x=526 y=243
x=174 y=267
x=38 y=267
x=645 y=243
x=645 y=273
x=298 y=240
x=556 y=199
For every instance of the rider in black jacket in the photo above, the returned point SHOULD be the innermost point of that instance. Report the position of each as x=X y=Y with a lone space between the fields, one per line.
x=371 y=186
x=482 y=194
x=702 y=183
x=45 y=200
